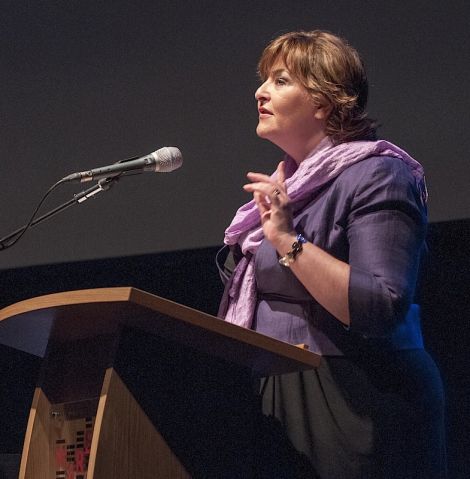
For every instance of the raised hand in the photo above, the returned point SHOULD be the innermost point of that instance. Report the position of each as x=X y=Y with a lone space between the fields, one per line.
x=273 y=203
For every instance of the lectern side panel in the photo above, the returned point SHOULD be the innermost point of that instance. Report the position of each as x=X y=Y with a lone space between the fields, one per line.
x=70 y=438
x=125 y=443
x=205 y=408
x=74 y=370
x=35 y=461
x=58 y=439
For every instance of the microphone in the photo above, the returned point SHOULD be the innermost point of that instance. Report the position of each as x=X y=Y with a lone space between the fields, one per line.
x=163 y=160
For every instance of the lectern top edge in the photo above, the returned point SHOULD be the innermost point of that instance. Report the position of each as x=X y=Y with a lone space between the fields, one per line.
x=149 y=302
x=66 y=298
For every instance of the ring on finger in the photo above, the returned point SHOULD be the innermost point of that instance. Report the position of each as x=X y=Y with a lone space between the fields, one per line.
x=276 y=192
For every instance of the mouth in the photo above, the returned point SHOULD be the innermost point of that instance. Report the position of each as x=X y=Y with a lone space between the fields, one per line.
x=263 y=112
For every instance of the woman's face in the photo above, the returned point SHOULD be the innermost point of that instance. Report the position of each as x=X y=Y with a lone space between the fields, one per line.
x=288 y=115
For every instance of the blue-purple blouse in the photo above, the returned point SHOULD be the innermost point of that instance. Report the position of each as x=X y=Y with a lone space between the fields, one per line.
x=372 y=217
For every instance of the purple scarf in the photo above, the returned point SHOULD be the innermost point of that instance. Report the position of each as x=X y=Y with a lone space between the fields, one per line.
x=325 y=163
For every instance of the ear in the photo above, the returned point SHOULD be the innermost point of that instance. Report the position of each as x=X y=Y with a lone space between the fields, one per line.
x=323 y=108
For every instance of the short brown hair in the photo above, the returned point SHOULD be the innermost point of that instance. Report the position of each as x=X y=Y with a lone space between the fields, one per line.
x=331 y=70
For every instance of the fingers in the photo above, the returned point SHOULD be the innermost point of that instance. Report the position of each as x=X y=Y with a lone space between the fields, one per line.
x=264 y=196
x=268 y=189
x=258 y=177
x=268 y=193
x=261 y=203
x=265 y=183
x=281 y=173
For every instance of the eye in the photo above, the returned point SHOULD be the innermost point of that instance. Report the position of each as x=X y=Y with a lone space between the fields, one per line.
x=281 y=81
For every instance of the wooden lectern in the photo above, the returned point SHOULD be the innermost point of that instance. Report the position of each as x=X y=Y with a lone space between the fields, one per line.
x=136 y=386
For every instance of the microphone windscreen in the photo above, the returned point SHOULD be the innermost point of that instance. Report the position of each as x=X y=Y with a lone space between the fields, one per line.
x=168 y=159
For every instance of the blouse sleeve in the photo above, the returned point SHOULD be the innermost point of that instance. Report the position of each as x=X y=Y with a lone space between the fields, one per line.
x=386 y=228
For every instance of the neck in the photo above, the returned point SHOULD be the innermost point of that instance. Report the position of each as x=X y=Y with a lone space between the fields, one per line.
x=298 y=151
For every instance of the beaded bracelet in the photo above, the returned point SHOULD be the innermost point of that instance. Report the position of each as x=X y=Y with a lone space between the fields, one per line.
x=291 y=255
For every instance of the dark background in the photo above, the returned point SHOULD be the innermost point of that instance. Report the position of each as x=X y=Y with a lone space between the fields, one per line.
x=87 y=83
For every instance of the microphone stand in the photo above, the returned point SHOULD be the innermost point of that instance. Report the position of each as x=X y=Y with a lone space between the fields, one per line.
x=102 y=185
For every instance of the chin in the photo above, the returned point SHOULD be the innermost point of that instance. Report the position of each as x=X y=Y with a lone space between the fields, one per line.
x=262 y=133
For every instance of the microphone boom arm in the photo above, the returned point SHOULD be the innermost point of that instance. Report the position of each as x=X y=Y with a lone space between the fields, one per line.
x=102 y=185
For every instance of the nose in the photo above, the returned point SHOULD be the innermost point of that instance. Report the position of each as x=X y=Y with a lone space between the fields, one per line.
x=262 y=93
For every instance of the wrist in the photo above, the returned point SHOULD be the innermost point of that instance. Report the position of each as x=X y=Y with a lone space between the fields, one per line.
x=295 y=249
x=283 y=241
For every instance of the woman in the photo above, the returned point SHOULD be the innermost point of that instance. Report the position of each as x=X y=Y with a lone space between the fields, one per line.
x=327 y=254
